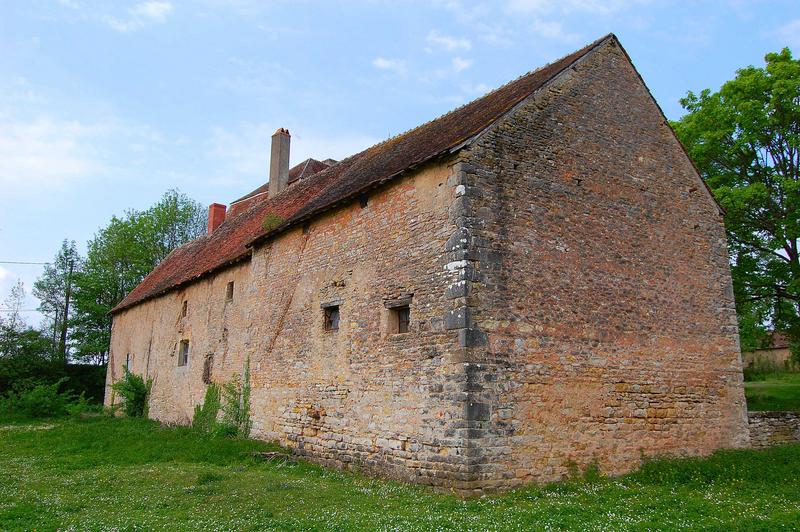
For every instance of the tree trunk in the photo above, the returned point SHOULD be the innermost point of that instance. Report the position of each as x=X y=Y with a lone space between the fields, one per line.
x=62 y=347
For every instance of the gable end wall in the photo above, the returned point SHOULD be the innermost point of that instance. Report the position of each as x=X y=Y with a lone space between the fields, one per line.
x=601 y=310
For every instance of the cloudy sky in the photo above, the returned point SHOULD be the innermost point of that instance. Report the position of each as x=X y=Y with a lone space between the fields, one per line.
x=104 y=105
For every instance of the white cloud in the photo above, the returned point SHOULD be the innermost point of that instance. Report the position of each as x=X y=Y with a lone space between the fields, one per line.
x=466 y=14
x=141 y=15
x=451 y=44
x=460 y=64
x=397 y=66
x=44 y=152
x=531 y=6
x=789 y=33
x=553 y=30
x=596 y=7
x=156 y=11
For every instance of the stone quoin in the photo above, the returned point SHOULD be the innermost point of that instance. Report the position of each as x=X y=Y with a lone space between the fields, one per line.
x=532 y=283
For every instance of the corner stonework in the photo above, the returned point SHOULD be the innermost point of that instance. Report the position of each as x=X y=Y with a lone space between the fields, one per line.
x=464 y=255
x=461 y=254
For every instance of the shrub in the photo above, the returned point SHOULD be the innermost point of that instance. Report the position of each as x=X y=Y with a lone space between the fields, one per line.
x=760 y=369
x=135 y=393
x=43 y=400
x=236 y=404
x=233 y=399
x=205 y=415
x=81 y=405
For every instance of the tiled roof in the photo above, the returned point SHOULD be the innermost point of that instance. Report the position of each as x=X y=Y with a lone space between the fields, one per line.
x=778 y=340
x=302 y=170
x=341 y=182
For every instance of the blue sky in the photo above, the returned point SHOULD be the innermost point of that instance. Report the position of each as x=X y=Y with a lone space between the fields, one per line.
x=104 y=105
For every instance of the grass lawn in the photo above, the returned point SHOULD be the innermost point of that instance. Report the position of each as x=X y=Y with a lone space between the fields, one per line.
x=773 y=391
x=104 y=473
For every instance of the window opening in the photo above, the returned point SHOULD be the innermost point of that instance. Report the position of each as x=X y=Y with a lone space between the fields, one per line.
x=183 y=354
x=332 y=318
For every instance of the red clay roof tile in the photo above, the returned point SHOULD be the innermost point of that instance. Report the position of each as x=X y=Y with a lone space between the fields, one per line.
x=307 y=197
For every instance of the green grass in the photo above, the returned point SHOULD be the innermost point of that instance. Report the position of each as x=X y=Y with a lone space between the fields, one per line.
x=773 y=391
x=105 y=473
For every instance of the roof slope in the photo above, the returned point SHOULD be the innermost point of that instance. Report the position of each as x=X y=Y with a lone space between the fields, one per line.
x=301 y=170
x=342 y=181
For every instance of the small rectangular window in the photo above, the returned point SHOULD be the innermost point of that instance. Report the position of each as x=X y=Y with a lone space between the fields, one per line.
x=185 y=309
x=229 y=291
x=332 y=318
x=403 y=319
x=183 y=354
x=363 y=201
x=399 y=319
x=128 y=361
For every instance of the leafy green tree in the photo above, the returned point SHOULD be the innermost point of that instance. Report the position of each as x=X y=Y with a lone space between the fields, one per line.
x=28 y=362
x=119 y=256
x=25 y=353
x=173 y=221
x=11 y=322
x=745 y=140
x=54 y=289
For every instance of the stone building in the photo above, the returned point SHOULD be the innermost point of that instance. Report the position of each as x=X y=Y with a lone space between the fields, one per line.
x=533 y=282
x=777 y=354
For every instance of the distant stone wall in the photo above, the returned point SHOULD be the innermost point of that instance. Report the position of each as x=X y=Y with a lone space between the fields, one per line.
x=764 y=358
x=773 y=428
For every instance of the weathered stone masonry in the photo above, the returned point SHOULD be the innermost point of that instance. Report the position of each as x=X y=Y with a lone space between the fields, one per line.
x=773 y=428
x=604 y=289
x=569 y=292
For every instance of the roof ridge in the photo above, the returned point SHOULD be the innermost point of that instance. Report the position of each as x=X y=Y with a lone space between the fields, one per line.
x=588 y=48
x=343 y=180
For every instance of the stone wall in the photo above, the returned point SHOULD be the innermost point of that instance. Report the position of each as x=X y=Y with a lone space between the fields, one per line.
x=389 y=403
x=780 y=358
x=600 y=305
x=773 y=428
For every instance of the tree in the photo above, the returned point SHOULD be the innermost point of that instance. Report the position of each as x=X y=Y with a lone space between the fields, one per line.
x=118 y=258
x=54 y=289
x=173 y=221
x=12 y=324
x=745 y=140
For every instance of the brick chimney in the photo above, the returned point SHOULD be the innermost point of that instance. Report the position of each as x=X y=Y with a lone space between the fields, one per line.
x=279 y=162
x=216 y=215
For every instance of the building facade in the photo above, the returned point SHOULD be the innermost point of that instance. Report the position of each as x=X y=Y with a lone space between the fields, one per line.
x=534 y=282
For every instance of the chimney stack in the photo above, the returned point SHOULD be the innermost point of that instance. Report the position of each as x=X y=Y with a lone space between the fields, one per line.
x=216 y=215
x=279 y=162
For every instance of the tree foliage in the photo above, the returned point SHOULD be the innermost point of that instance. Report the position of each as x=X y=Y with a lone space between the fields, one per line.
x=745 y=140
x=54 y=289
x=11 y=323
x=25 y=353
x=118 y=258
